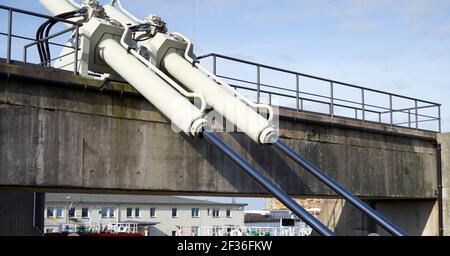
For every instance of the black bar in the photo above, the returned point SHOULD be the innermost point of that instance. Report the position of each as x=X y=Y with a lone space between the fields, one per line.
x=269 y=186
x=4 y=7
x=329 y=182
x=9 y=39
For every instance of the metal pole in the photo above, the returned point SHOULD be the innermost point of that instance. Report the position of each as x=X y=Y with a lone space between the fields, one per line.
x=269 y=186
x=77 y=46
x=332 y=184
x=25 y=51
x=297 y=91
x=417 y=116
x=214 y=65
x=391 y=110
x=258 y=83
x=332 y=99
x=363 y=103
x=439 y=118
x=9 y=40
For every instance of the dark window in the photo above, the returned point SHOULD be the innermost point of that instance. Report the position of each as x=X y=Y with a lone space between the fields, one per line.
x=216 y=213
x=228 y=213
x=50 y=212
x=137 y=212
x=112 y=212
x=129 y=212
x=85 y=213
x=152 y=212
x=59 y=212
x=105 y=212
x=174 y=212
x=72 y=213
x=195 y=212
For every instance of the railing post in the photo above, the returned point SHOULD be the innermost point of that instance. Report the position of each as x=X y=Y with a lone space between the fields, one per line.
x=439 y=118
x=258 y=83
x=391 y=110
x=9 y=39
x=297 y=92
x=25 y=52
x=417 y=114
x=332 y=99
x=363 y=104
x=77 y=46
x=409 y=118
x=214 y=65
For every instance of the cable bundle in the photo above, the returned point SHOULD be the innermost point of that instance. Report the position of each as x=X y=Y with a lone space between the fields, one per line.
x=44 y=32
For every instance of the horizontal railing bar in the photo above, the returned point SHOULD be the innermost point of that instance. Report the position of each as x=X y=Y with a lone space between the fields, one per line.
x=50 y=36
x=33 y=39
x=4 y=7
x=420 y=121
x=59 y=57
x=412 y=108
x=312 y=77
x=305 y=99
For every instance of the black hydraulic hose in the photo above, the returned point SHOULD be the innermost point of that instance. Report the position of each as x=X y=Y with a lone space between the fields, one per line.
x=332 y=184
x=43 y=48
x=269 y=186
x=50 y=26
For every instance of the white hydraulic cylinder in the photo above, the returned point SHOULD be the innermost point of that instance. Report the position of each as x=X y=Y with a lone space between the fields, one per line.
x=56 y=7
x=174 y=106
x=233 y=109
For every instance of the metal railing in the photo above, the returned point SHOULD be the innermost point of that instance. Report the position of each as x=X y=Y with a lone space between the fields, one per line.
x=335 y=106
x=10 y=35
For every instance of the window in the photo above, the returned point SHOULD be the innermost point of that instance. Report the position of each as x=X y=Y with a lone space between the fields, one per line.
x=59 y=212
x=195 y=212
x=228 y=213
x=152 y=212
x=84 y=212
x=174 y=212
x=50 y=212
x=105 y=212
x=72 y=213
x=216 y=213
x=129 y=212
x=137 y=212
x=112 y=212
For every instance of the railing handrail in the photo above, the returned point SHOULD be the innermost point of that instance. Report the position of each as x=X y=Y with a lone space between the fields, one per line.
x=4 y=7
x=312 y=77
x=358 y=106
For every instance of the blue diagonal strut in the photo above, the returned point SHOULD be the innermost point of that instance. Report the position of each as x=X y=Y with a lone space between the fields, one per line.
x=269 y=186
x=332 y=184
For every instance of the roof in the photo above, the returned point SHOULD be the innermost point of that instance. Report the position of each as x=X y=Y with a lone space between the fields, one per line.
x=129 y=199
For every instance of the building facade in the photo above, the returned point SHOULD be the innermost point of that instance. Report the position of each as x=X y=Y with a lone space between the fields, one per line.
x=165 y=215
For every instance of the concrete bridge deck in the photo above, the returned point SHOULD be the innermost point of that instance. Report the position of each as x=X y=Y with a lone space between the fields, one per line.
x=61 y=132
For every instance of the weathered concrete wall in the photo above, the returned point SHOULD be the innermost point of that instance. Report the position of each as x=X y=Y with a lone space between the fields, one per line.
x=415 y=217
x=56 y=137
x=16 y=214
x=444 y=140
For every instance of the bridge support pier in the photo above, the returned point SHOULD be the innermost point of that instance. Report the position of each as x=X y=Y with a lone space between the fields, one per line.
x=21 y=213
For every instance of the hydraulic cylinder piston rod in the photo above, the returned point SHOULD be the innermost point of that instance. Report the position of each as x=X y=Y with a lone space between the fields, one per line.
x=328 y=181
x=269 y=186
x=174 y=106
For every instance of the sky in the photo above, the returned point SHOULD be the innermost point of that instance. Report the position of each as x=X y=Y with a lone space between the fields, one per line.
x=400 y=46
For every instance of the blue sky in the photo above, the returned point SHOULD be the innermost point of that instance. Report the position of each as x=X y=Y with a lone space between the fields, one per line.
x=400 y=46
